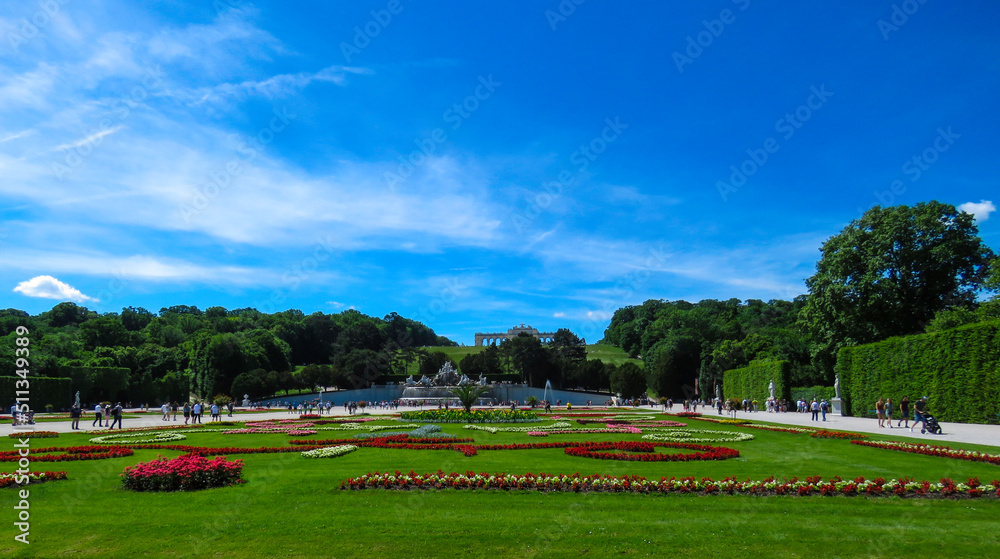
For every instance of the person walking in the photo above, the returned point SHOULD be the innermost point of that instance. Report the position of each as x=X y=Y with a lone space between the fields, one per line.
x=215 y=413
x=888 y=412
x=165 y=410
x=196 y=413
x=116 y=413
x=880 y=412
x=814 y=408
x=919 y=410
x=173 y=408
x=904 y=412
x=187 y=413
x=98 y=416
x=824 y=407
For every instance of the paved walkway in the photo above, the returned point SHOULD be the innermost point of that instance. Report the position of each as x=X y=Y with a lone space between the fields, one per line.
x=953 y=432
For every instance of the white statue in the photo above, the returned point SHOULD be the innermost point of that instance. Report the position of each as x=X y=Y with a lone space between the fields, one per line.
x=410 y=381
x=770 y=388
x=836 y=385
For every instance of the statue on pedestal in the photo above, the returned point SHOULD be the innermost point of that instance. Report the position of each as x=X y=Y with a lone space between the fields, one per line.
x=410 y=381
x=836 y=385
x=770 y=388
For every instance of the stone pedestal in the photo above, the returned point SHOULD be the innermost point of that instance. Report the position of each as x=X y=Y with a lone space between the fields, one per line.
x=837 y=406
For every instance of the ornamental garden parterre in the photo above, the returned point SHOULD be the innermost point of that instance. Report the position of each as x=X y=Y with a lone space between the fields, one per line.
x=488 y=457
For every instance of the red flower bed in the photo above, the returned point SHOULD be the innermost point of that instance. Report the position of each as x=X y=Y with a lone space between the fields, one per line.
x=8 y=479
x=310 y=416
x=626 y=448
x=184 y=473
x=934 y=450
x=34 y=435
x=691 y=414
x=837 y=435
x=813 y=485
x=68 y=454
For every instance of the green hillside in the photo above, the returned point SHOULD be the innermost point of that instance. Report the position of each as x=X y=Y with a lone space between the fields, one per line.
x=605 y=353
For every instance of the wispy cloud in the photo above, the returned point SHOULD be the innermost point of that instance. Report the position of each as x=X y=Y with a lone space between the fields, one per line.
x=91 y=139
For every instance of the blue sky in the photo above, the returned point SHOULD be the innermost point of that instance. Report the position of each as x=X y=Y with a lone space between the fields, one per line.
x=473 y=165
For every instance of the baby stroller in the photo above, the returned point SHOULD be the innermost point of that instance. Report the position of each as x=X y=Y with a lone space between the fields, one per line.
x=931 y=425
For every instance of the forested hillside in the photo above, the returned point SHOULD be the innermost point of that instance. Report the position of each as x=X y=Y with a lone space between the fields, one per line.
x=144 y=356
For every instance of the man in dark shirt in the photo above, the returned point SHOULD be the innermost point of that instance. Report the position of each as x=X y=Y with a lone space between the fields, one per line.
x=919 y=409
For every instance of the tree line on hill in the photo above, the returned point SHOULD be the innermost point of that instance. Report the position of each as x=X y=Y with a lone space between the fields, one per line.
x=142 y=356
x=892 y=272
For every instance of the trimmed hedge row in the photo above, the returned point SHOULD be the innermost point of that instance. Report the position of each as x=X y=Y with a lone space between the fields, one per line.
x=41 y=391
x=752 y=381
x=958 y=370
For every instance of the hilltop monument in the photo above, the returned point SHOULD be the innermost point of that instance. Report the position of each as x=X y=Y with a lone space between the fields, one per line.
x=484 y=338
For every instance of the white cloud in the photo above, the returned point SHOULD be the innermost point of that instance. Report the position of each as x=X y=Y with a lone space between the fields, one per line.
x=558 y=315
x=48 y=287
x=980 y=210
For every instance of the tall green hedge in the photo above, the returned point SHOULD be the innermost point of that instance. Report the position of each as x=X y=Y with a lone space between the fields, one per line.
x=42 y=391
x=958 y=370
x=752 y=381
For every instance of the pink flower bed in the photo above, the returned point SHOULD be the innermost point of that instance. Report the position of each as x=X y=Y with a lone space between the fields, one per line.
x=185 y=473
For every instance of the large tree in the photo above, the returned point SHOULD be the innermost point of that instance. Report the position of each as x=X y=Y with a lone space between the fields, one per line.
x=889 y=271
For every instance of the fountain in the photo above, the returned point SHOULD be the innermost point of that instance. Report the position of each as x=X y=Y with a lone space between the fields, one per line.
x=547 y=393
x=438 y=389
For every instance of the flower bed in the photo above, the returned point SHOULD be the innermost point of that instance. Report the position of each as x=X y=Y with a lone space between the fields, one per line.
x=330 y=451
x=184 y=473
x=34 y=435
x=686 y=436
x=648 y=454
x=475 y=416
x=934 y=450
x=494 y=430
x=823 y=434
x=34 y=478
x=689 y=485
x=137 y=438
x=691 y=414
x=310 y=416
x=69 y=454
x=141 y=429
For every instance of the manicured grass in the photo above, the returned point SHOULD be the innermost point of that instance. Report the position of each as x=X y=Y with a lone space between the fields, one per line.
x=292 y=506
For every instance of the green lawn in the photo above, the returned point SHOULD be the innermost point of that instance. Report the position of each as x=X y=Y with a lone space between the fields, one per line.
x=293 y=507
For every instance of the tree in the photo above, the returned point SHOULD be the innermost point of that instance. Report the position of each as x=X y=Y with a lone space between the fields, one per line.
x=887 y=274
x=468 y=394
x=628 y=380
